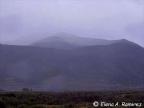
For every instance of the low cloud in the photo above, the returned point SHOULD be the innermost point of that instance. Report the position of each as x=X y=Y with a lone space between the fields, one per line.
x=110 y=19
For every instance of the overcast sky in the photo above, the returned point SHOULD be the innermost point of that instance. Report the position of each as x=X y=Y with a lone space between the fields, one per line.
x=24 y=21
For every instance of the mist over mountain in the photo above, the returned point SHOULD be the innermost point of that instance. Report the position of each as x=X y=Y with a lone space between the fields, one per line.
x=69 y=41
x=102 y=49
x=96 y=67
x=24 y=21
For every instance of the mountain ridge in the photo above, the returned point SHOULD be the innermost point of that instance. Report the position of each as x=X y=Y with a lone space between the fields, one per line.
x=71 y=41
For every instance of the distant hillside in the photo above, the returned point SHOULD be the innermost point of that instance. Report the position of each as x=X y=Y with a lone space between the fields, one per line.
x=68 y=41
x=54 y=42
x=115 y=66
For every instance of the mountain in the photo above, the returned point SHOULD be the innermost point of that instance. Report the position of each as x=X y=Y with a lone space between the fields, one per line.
x=99 y=67
x=69 y=41
x=54 y=42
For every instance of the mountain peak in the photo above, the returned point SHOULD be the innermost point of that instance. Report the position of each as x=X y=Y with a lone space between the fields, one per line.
x=127 y=42
x=64 y=35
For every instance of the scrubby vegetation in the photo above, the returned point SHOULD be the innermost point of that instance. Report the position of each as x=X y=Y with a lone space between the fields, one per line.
x=65 y=99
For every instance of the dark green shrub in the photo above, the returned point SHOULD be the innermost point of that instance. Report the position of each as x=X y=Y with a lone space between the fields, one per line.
x=2 y=104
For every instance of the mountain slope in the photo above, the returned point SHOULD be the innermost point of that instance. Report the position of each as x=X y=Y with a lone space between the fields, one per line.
x=119 y=65
x=114 y=66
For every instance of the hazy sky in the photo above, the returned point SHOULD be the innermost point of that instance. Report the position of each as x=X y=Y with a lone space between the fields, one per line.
x=29 y=20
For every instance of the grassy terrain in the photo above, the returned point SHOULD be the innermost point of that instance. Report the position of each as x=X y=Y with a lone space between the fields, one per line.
x=67 y=99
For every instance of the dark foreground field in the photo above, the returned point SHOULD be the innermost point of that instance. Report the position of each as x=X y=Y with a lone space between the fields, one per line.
x=29 y=99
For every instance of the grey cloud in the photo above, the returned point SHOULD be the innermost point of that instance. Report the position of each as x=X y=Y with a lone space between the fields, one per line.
x=110 y=19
